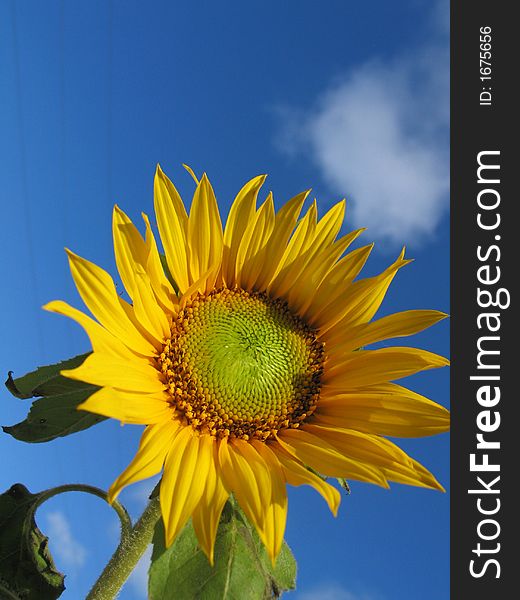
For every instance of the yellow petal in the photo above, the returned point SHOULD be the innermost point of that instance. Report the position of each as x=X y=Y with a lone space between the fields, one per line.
x=415 y=474
x=245 y=474
x=191 y=172
x=296 y=474
x=285 y=221
x=162 y=287
x=129 y=248
x=200 y=285
x=371 y=367
x=105 y=370
x=182 y=485
x=205 y=238
x=129 y=407
x=241 y=212
x=395 y=464
x=329 y=225
x=276 y=516
x=400 y=324
x=335 y=285
x=327 y=228
x=102 y=340
x=155 y=443
x=206 y=514
x=317 y=242
x=250 y=256
x=361 y=301
x=148 y=311
x=324 y=458
x=386 y=409
x=308 y=277
x=172 y=221
x=298 y=245
x=129 y=310
x=98 y=291
x=369 y=449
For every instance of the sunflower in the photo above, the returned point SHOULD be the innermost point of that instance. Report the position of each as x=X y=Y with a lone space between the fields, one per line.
x=243 y=352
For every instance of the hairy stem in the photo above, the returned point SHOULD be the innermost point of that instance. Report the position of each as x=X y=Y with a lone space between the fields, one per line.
x=127 y=555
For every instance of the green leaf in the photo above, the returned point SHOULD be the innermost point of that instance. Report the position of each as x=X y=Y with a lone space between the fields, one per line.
x=242 y=568
x=55 y=414
x=45 y=381
x=27 y=571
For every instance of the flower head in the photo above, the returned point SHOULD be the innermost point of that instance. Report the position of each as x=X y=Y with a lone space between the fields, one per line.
x=244 y=355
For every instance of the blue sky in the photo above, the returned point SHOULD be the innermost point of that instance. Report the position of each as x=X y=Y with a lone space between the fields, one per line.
x=348 y=98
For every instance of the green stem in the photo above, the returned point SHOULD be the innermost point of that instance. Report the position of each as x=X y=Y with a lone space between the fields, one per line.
x=124 y=517
x=127 y=555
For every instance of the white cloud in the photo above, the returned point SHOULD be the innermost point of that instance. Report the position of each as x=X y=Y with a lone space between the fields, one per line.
x=63 y=544
x=334 y=592
x=379 y=136
x=139 y=576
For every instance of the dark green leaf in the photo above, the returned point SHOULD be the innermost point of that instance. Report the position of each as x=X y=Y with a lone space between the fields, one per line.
x=242 y=568
x=45 y=381
x=55 y=413
x=55 y=416
x=27 y=571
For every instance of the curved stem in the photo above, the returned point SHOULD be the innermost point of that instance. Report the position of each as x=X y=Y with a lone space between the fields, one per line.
x=124 y=517
x=127 y=555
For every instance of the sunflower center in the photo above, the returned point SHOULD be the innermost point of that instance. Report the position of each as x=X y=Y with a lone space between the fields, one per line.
x=241 y=364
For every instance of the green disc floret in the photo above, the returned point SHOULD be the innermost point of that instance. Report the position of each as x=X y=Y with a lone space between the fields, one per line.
x=242 y=364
